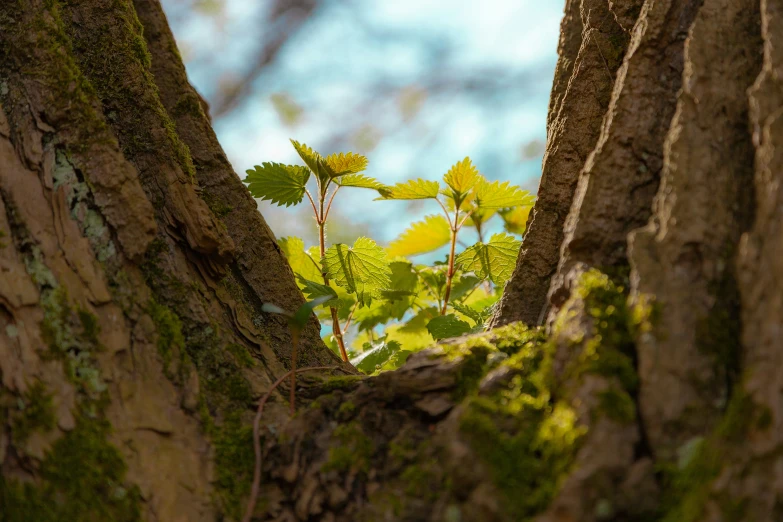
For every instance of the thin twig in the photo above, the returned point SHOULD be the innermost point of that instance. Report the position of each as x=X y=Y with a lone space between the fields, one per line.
x=350 y=317
x=251 y=503
x=317 y=217
x=446 y=211
x=329 y=205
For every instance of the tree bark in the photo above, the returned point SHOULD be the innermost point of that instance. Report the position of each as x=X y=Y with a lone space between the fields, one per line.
x=134 y=265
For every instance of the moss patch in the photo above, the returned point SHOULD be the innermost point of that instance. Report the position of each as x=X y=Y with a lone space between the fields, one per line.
x=526 y=442
x=34 y=411
x=353 y=451
x=82 y=479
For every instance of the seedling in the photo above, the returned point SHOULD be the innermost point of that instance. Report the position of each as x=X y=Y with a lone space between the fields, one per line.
x=365 y=286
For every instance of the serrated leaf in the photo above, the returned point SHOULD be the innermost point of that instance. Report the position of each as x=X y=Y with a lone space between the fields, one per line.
x=462 y=176
x=434 y=279
x=313 y=290
x=495 y=195
x=494 y=260
x=308 y=155
x=278 y=183
x=411 y=189
x=314 y=161
x=359 y=180
x=515 y=220
x=361 y=269
x=446 y=326
x=375 y=355
x=302 y=262
x=421 y=237
x=345 y=163
x=396 y=360
x=468 y=312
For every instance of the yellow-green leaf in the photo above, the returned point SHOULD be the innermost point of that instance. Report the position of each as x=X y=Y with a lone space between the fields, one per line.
x=314 y=161
x=278 y=183
x=494 y=260
x=359 y=180
x=446 y=326
x=462 y=177
x=494 y=195
x=421 y=237
x=308 y=155
x=412 y=189
x=302 y=263
x=515 y=219
x=345 y=163
x=361 y=269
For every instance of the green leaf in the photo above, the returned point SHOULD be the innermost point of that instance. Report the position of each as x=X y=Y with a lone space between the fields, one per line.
x=361 y=269
x=462 y=177
x=495 y=195
x=468 y=312
x=314 y=161
x=396 y=360
x=375 y=355
x=411 y=189
x=308 y=155
x=446 y=326
x=302 y=263
x=300 y=317
x=278 y=183
x=410 y=339
x=515 y=219
x=313 y=290
x=421 y=237
x=345 y=163
x=378 y=312
x=494 y=260
x=462 y=284
x=359 y=180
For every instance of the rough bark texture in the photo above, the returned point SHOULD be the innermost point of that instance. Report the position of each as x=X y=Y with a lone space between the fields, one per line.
x=133 y=268
x=133 y=274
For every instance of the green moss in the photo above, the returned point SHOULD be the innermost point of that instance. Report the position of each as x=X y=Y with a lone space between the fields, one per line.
x=341 y=382
x=689 y=488
x=234 y=458
x=188 y=105
x=170 y=338
x=608 y=349
x=82 y=479
x=353 y=450
x=90 y=326
x=475 y=353
x=617 y=405
x=241 y=355
x=527 y=446
x=34 y=412
x=219 y=208
x=346 y=409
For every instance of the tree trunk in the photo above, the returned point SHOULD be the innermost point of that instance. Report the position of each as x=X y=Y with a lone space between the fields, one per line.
x=133 y=347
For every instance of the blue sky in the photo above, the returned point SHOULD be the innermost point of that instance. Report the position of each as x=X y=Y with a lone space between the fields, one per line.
x=415 y=85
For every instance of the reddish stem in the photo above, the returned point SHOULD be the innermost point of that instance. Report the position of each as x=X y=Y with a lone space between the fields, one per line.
x=251 y=503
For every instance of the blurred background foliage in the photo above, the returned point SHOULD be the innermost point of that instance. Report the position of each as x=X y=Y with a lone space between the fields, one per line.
x=413 y=84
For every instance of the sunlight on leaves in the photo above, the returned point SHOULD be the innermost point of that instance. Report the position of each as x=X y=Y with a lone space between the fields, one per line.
x=413 y=189
x=362 y=269
x=421 y=237
x=278 y=183
x=494 y=260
